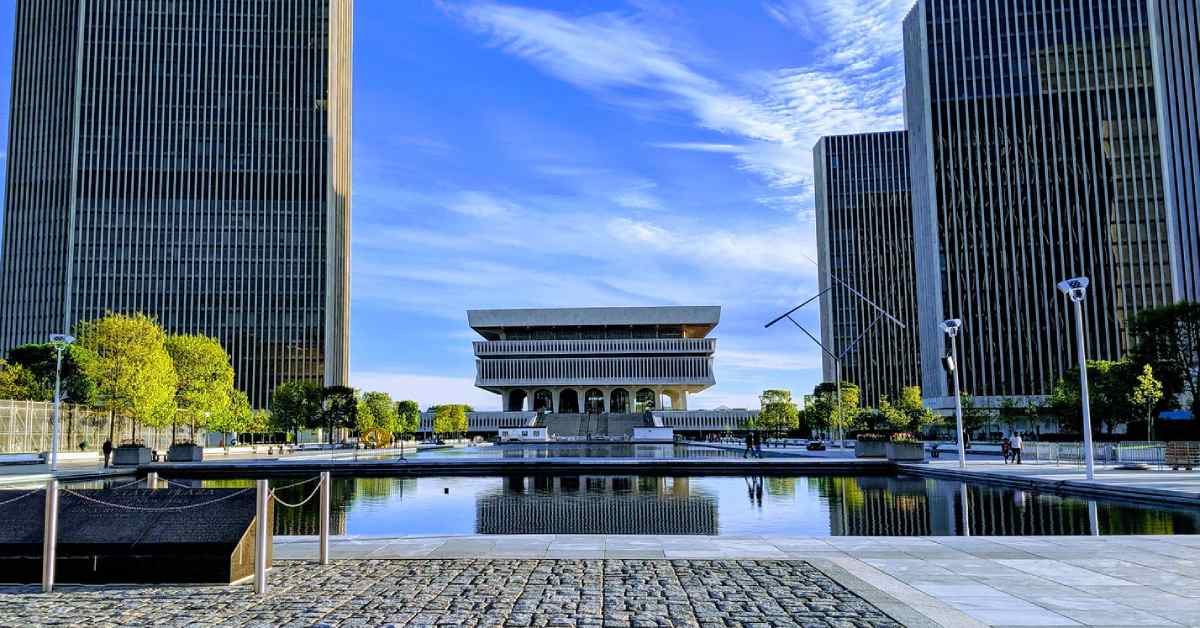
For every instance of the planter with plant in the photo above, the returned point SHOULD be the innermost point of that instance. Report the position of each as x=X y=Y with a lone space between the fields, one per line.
x=870 y=445
x=905 y=447
x=131 y=454
x=185 y=452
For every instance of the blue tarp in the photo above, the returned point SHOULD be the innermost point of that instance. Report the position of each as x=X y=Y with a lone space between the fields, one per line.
x=1175 y=415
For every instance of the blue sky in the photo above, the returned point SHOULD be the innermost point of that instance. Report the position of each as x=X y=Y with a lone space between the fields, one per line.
x=639 y=152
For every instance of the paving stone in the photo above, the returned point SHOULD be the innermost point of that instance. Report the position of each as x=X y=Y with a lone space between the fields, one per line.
x=591 y=593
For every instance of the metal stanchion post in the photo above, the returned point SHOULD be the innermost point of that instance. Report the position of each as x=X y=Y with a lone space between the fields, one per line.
x=260 y=537
x=152 y=480
x=324 y=554
x=50 y=536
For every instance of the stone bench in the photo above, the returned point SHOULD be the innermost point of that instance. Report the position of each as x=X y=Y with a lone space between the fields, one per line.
x=24 y=458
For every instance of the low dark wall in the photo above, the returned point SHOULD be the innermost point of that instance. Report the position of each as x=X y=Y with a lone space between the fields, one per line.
x=130 y=542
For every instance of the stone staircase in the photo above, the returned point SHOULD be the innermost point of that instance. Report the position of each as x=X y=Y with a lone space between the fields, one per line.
x=584 y=425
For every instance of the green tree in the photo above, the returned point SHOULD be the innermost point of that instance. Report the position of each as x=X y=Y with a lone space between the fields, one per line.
x=377 y=410
x=21 y=384
x=1109 y=386
x=236 y=418
x=204 y=383
x=1168 y=339
x=126 y=356
x=777 y=411
x=409 y=416
x=450 y=419
x=832 y=416
x=975 y=417
x=340 y=405
x=1146 y=394
x=40 y=358
x=892 y=417
x=919 y=417
x=296 y=405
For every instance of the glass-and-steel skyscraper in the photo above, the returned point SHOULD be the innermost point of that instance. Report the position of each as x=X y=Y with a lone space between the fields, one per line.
x=190 y=160
x=865 y=252
x=1049 y=139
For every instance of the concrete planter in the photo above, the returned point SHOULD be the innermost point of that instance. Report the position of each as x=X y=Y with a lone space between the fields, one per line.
x=130 y=456
x=870 y=449
x=185 y=453
x=906 y=452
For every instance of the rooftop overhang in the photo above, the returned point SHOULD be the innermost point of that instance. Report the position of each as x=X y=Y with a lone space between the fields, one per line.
x=698 y=320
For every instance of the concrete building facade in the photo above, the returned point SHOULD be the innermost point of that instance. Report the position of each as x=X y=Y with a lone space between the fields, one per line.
x=1048 y=139
x=864 y=244
x=594 y=360
x=189 y=160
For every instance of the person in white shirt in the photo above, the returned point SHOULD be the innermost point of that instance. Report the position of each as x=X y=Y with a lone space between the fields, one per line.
x=1015 y=444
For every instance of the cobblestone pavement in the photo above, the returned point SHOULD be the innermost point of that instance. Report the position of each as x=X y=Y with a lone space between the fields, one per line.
x=495 y=592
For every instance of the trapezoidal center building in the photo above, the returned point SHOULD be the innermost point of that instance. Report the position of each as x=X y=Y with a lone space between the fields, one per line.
x=595 y=360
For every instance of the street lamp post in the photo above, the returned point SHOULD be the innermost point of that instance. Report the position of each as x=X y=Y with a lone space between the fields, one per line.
x=951 y=328
x=1076 y=289
x=60 y=342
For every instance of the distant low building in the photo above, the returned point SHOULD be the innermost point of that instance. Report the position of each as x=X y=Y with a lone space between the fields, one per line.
x=597 y=360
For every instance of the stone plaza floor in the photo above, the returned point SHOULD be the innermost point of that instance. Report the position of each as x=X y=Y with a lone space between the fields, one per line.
x=476 y=592
x=920 y=581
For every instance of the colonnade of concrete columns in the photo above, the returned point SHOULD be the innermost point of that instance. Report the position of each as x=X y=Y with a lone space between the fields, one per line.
x=526 y=399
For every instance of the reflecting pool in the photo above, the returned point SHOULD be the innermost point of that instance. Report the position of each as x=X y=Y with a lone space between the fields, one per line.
x=730 y=506
x=578 y=450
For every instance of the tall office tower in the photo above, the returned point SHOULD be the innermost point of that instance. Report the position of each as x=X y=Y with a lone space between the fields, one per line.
x=1048 y=139
x=864 y=243
x=190 y=160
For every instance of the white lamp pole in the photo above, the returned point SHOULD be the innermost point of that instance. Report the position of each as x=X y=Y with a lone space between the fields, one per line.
x=60 y=342
x=951 y=328
x=1076 y=289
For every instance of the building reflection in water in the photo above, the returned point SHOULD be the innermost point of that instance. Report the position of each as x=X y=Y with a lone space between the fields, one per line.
x=910 y=506
x=602 y=504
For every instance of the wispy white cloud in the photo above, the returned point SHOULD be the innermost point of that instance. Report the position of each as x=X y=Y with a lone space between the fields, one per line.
x=771 y=117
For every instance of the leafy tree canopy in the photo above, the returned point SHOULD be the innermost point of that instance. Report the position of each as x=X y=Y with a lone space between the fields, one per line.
x=1168 y=339
x=21 y=384
x=777 y=411
x=40 y=359
x=296 y=405
x=126 y=356
x=1110 y=385
x=377 y=410
x=450 y=419
x=409 y=416
x=204 y=384
x=341 y=408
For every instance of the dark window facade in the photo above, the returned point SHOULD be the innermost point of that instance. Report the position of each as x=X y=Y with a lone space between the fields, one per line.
x=1036 y=156
x=864 y=239
x=190 y=160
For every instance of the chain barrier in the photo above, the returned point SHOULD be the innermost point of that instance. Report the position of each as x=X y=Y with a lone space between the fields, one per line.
x=284 y=488
x=20 y=497
x=147 y=509
x=303 y=501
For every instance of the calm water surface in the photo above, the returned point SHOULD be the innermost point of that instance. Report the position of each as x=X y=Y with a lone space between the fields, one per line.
x=705 y=505
x=805 y=506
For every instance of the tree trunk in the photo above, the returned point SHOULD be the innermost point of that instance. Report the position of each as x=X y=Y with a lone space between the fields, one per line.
x=112 y=425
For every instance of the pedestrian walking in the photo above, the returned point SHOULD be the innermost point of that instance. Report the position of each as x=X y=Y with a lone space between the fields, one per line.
x=1006 y=449
x=749 y=445
x=757 y=445
x=1015 y=444
x=106 y=448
